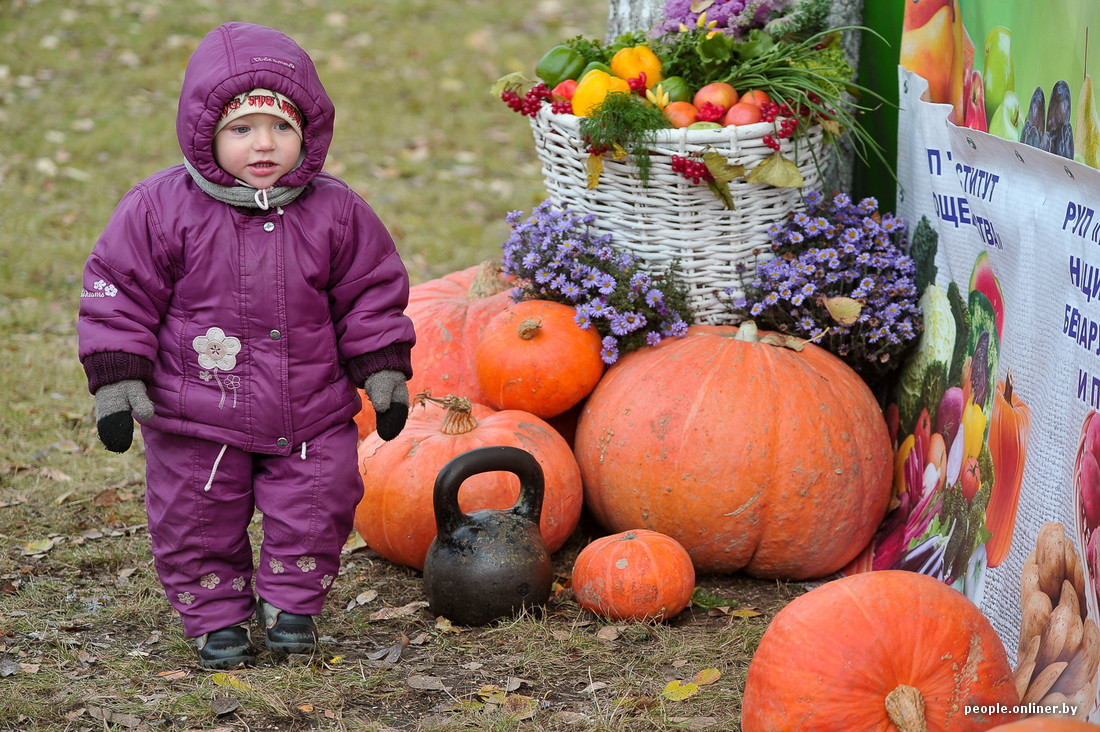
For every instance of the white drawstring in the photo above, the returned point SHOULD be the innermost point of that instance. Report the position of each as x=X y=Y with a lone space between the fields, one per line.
x=303 y=451
x=214 y=469
x=261 y=198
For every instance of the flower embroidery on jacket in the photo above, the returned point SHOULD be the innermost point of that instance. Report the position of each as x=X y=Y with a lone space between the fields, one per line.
x=101 y=288
x=276 y=566
x=307 y=563
x=218 y=352
x=239 y=583
x=186 y=598
x=210 y=581
x=326 y=581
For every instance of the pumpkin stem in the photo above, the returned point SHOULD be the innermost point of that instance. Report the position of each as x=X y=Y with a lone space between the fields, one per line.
x=1008 y=388
x=529 y=328
x=749 y=333
x=487 y=281
x=459 y=418
x=905 y=707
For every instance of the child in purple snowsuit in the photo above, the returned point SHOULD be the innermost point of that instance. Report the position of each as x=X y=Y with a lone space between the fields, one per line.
x=234 y=303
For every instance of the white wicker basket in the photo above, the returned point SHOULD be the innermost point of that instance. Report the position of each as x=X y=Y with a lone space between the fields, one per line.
x=671 y=219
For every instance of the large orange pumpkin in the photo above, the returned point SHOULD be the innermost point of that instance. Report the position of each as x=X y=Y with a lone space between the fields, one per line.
x=449 y=314
x=396 y=517
x=533 y=356
x=886 y=650
x=753 y=456
x=634 y=575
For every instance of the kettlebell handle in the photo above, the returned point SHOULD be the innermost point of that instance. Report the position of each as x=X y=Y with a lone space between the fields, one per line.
x=448 y=515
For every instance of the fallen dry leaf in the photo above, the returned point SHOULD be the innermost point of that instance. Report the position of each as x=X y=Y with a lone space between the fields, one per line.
x=227 y=679
x=676 y=690
x=707 y=676
x=392 y=654
x=443 y=625
x=610 y=632
x=520 y=707
x=396 y=612
x=514 y=682
x=54 y=474
x=221 y=707
x=746 y=613
x=173 y=675
x=427 y=683
x=39 y=546
x=107 y=497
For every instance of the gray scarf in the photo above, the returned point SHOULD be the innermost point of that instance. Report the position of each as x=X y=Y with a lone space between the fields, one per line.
x=244 y=195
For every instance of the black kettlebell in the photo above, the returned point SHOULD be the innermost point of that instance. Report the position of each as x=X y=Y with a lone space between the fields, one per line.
x=490 y=563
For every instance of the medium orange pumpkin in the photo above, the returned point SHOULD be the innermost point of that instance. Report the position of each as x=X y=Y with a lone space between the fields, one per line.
x=396 y=517
x=449 y=314
x=533 y=356
x=886 y=650
x=755 y=457
x=1046 y=724
x=634 y=575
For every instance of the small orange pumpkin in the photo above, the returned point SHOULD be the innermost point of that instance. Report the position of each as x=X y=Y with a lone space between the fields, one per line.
x=882 y=650
x=533 y=356
x=396 y=516
x=634 y=575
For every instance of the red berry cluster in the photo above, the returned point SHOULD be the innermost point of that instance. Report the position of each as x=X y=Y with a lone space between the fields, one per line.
x=530 y=103
x=788 y=118
x=787 y=127
x=561 y=106
x=695 y=171
x=709 y=112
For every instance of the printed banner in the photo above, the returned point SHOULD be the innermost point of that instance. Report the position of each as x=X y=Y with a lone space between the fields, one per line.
x=997 y=470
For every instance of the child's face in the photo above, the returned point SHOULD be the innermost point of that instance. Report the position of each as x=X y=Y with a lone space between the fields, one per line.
x=257 y=148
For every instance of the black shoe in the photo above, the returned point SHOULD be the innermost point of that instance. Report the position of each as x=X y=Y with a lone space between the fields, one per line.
x=286 y=632
x=226 y=648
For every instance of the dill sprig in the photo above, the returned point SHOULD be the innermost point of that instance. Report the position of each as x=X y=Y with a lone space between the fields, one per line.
x=625 y=124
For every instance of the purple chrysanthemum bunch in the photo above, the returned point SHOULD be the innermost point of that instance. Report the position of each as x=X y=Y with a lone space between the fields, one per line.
x=556 y=258
x=736 y=17
x=837 y=248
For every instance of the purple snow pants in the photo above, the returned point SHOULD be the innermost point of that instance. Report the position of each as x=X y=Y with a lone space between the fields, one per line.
x=200 y=497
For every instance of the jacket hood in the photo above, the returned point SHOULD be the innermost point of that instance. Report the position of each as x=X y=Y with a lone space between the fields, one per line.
x=235 y=58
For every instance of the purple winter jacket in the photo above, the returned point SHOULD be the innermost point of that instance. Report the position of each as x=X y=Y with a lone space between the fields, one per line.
x=250 y=327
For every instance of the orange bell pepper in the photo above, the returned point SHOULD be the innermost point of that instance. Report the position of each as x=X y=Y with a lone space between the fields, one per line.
x=1009 y=428
x=593 y=88
x=628 y=63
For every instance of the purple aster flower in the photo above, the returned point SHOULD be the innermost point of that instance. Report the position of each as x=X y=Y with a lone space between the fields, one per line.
x=609 y=350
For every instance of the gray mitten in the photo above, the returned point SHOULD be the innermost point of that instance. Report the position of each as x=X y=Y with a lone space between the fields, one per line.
x=389 y=395
x=113 y=406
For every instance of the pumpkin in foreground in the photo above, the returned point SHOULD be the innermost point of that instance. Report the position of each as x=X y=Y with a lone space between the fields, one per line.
x=754 y=456
x=882 y=650
x=634 y=575
x=449 y=314
x=396 y=516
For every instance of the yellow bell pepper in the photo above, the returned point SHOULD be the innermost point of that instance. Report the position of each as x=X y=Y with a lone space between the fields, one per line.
x=628 y=63
x=973 y=425
x=592 y=90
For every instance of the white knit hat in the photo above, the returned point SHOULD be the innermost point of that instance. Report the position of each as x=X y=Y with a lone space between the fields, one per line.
x=261 y=101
